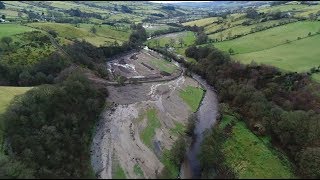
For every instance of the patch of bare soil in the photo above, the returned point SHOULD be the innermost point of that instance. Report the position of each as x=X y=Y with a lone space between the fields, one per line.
x=138 y=66
x=118 y=131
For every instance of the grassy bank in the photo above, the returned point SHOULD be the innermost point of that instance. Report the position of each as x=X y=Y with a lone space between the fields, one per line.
x=244 y=154
x=192 y=96
x=152 y=124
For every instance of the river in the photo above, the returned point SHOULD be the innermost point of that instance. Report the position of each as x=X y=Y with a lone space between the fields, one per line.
x=206 y=117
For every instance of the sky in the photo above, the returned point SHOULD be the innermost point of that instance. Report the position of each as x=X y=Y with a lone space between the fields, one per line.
x=176 y=1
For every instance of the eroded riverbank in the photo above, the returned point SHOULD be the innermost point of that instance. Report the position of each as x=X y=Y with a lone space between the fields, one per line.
x=118 y=135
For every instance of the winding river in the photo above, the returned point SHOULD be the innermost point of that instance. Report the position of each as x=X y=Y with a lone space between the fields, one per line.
x=206 y=115
x=206 y=118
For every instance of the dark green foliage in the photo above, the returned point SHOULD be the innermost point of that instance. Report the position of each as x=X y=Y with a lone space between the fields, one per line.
x=2 y=6
x=170 y=8
x=49 y=128
x=252 y=13
x=6 y=40
x=309 y=162
x=12 y=169
x=93 y=29
x=138 y=36
x=202 y=38
x=125 y=9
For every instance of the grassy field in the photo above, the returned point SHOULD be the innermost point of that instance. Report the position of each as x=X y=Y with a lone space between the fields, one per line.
x=152 y=124
x=12 y=29
x=6 y=95
x=249 y=157
x=269 y=38
x=201 y=22
x=240 y=29
x=163 y=65
x=298 y=10
x=158 y=27
x=192 y=96
x=297 y=56
x=188 y=38
x=104 y=33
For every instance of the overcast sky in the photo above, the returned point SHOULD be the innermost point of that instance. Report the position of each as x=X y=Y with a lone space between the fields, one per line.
x=176 y=1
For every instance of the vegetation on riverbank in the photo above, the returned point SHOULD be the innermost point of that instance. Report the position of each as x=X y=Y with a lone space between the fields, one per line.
x=243 y=153
x=149 y=131
x=192 y=96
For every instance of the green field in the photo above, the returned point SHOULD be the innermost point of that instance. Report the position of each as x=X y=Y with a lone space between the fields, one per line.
x=298 y=56
x=104 y=33
x=201 y=22
x=188 y=39
x=152 y=124
x=249 y=157
x=13 y=29
x=240 y=29
x=192 y=96
x=269 y=38
x=163 y=65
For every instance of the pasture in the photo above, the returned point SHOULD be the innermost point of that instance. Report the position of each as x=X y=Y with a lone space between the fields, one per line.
x=270 y=38
x=250 y=157
x=103 y=35
x=297 y=56
x=13 y=29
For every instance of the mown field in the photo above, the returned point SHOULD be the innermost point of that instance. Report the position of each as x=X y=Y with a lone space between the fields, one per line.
x=250 y=157
x=297 y=56
x=270 y=38
x=316 y=77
